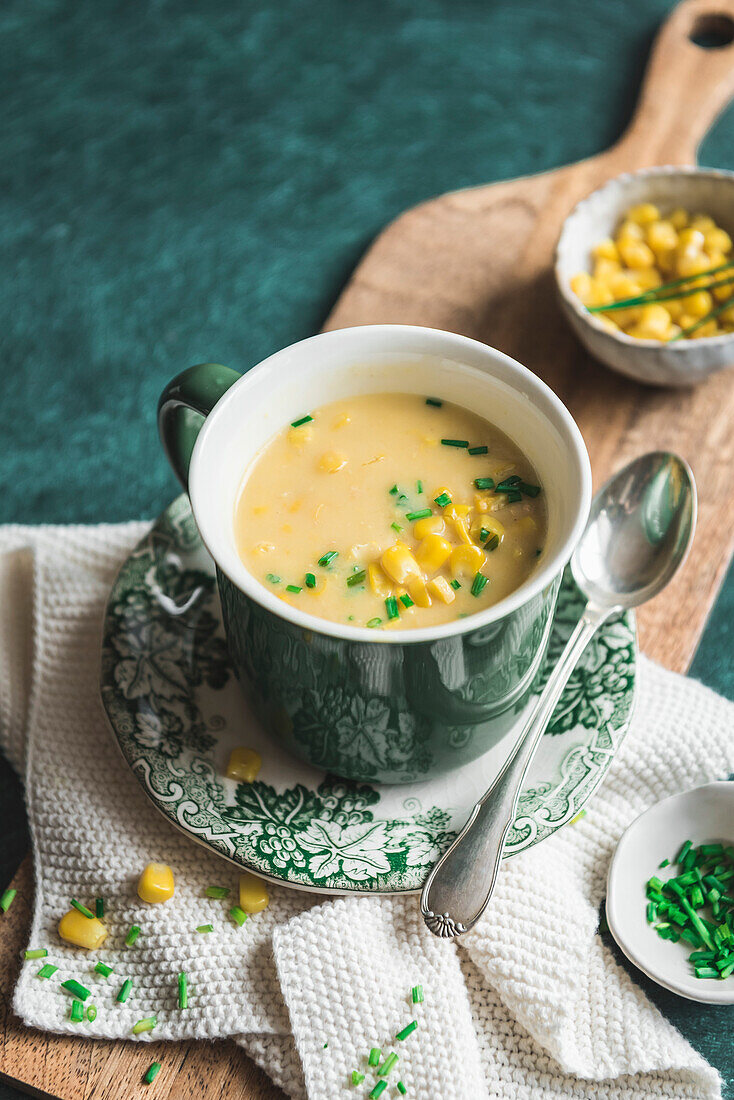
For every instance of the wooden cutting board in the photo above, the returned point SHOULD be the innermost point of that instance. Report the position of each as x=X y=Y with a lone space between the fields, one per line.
x=478 y=262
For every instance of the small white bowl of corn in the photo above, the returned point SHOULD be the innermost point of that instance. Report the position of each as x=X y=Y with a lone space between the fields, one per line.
x=627 y=241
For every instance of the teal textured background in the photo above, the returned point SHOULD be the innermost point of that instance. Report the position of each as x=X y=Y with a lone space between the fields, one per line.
x=182 y=182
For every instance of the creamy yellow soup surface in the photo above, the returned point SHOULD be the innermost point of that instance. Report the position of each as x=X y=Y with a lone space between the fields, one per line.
x=331 y=518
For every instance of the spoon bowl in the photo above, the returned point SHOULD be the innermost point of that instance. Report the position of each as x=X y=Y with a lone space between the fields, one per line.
x=639 y=530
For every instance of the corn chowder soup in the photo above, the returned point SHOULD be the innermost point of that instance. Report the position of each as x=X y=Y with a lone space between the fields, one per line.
x=391 y=511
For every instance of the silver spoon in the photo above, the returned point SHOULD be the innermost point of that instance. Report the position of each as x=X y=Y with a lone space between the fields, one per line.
x=640 y=528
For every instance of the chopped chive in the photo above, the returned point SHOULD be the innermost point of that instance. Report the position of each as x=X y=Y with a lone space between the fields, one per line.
x=104 y=969
x=387 y=1065
x=711 y=849
x=151 y=1072
x=655 y=883
x=76 y=1014
x=434 y=402
x=77 y=990
x=239 y=916
x=99 y=908
x=492 y=542
x=374 y=1056
x=146 y=1024
x=328 y=557
x=484 y=534
x=47 y=971
x=124 y=993
x=652 y=912
x=183 y=990
x=484 y=483
x=664 y=863
x=402 y=498
x=455 y=442
x=707 y=972
x=132 y=935
x=391 y=606
x=356 y=578
x=508 y=483
x=407 y=1030
x=357 y=1077
x=417 y=994
x=82 y=908
x=422 y=513
x=36 y=953
x=92 y=1013
x=372 y=623
x=218 y=892
x=419 y=487
x=396 y=528
x=292 y=588
x=204 y=928
x=455 y=584
x=394 y=491
x=273 y=578
x=478 y=450
x=401 y=1088
x=443 y=500
x=529 y=490
x=310 y=580
x=378 y=1090
x=7 y=900
x=728 y=969
x=513 y=497
x=303 y=420
x=406 y=600
x=478 y=584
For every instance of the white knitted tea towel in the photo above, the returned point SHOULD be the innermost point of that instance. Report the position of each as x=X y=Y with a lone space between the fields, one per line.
x=531 y=1004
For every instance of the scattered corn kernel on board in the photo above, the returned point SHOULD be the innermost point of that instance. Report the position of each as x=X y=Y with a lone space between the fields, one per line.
x=479 y=262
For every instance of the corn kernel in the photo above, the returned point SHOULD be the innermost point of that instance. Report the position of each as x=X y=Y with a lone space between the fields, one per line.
x=698 y=305
x=378 y=581
x=433 y=551
x=625 y=285
x=456 y=511
x=331 y=462
x=607 y=323
x=431 y=525
x=244 y=764
x=466 y=561
x=253 y=894
x=156 y=883
x=679 y=218
x=630 y=231
x=462 y=530
x=709 y=329
x=583 y=287
x=702 y=222
x=661 y=236
x=442 y=590
x=653 y=324
x=606 y=249
x=648 y=278
x=691 y=238
x=526 y=526
x=601 y=295
x=644 y=213
x=604 y=270
x=399 y=563
x=716 y=240
x=636 y=254
x=88 y=932
x=418 y=592
x=489 y=523
x=298 y=437
x=692 y=264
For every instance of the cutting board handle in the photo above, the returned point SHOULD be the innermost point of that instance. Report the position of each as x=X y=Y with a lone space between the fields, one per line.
x=685 y=86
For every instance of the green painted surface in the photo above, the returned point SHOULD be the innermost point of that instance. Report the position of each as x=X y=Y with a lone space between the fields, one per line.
x=183 y=182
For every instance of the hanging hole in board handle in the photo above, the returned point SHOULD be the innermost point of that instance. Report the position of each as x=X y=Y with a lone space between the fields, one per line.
x=712 y=31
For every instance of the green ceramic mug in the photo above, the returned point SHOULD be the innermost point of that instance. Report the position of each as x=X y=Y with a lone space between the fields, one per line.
x=410 y=704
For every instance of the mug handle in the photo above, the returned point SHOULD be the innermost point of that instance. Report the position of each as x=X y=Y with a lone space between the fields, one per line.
x=184 y=405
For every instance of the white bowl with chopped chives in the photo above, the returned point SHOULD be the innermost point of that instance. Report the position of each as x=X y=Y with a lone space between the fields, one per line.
x=670 y=893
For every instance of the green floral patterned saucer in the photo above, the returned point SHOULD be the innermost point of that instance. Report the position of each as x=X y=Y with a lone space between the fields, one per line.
x=177 y=711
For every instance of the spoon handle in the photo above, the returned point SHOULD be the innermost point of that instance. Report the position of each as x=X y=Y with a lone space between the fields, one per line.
x=460 y=885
